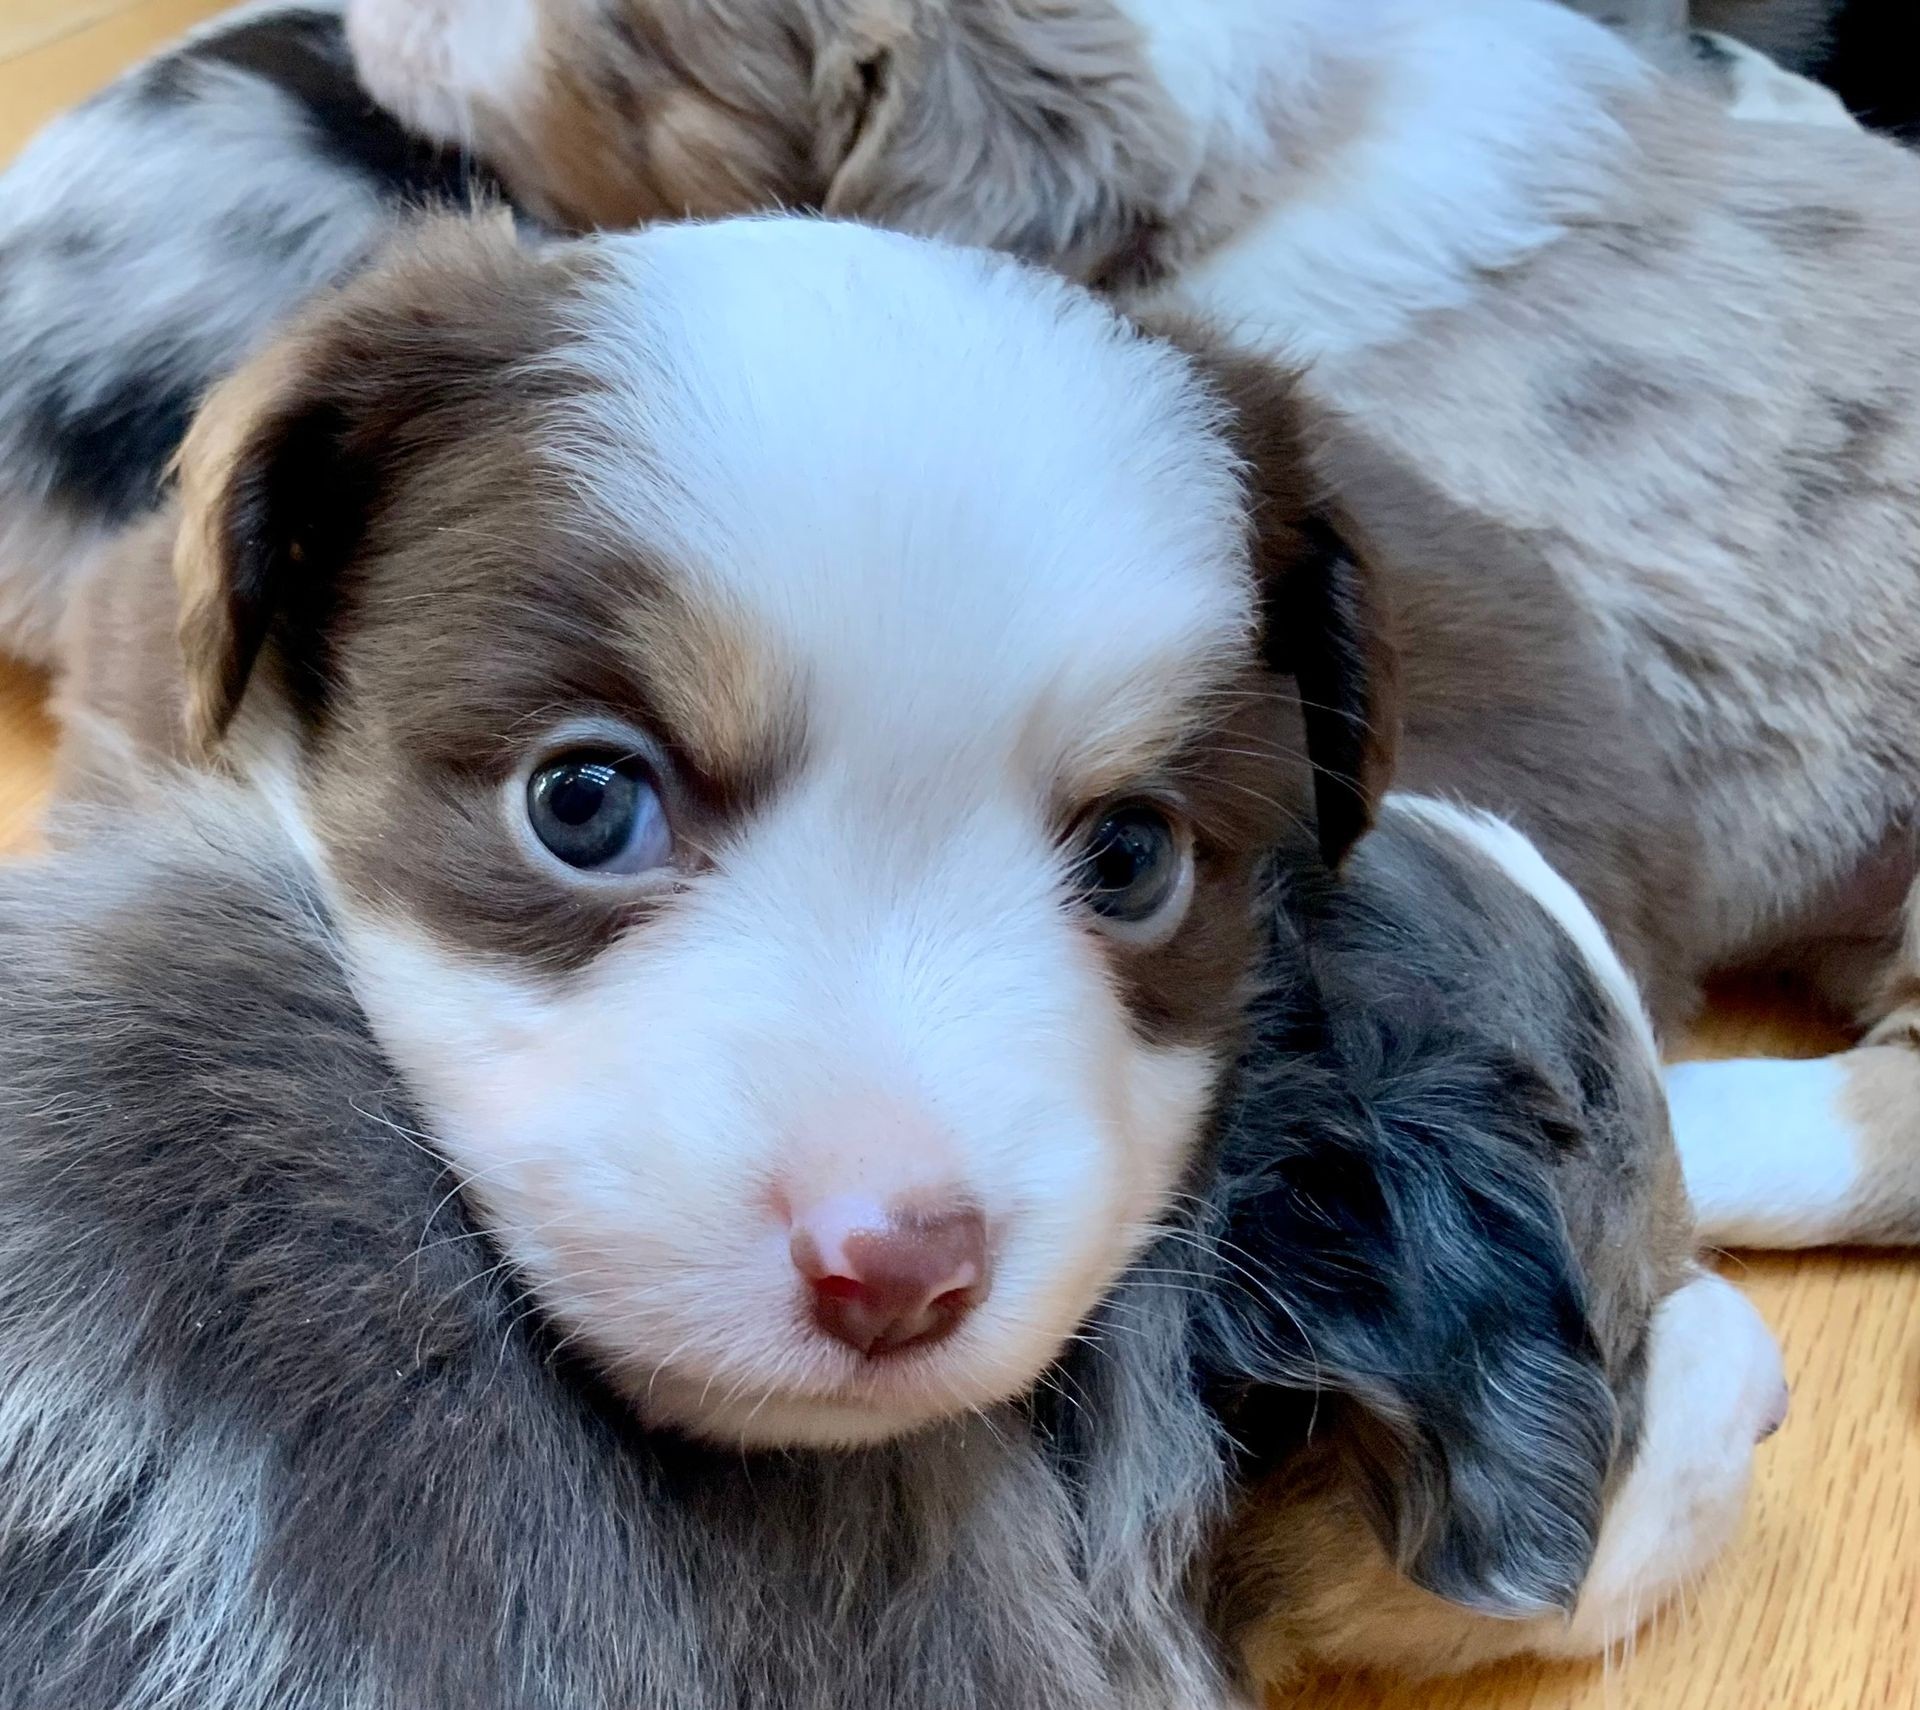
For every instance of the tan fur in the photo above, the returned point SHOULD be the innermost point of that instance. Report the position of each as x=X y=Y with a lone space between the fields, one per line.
x=1031 y=125
x=122 y=679
x=1314 y=1589
x=209 y=459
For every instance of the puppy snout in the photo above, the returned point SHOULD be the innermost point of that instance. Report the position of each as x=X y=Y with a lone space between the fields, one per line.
x=882 y=1280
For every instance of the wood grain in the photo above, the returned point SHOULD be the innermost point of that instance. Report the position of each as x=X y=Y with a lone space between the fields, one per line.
x=1819 y=1606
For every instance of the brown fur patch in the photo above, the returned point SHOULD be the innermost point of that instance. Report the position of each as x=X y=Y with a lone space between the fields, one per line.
x=662 y=109
x=1243 y=787
x=1325 y=624
x=288 y=461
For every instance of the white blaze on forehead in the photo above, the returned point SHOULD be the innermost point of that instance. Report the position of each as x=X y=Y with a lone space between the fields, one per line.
x=957 y=493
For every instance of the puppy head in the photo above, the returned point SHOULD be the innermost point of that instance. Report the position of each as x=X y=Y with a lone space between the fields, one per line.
x=1546 y=1414
x=1025 y=125
x=780 y=711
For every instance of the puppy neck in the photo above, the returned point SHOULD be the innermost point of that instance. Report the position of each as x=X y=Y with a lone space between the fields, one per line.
x=1404 y=151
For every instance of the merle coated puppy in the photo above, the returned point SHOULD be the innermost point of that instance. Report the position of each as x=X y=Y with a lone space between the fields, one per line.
x=149 y=240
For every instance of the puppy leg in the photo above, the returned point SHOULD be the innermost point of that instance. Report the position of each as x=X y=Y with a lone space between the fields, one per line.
x=1804 y=1154
x=1820 y=1152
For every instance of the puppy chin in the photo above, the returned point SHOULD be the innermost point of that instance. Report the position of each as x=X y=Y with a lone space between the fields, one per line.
x=877 y=1407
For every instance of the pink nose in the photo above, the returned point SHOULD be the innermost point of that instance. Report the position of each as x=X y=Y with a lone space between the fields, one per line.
x=881 y=1281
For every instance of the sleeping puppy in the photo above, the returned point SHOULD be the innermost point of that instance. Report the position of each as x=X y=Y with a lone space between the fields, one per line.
x=152 y=237
x=1600 y=377
x=148 y=241
x=837 y=664
x=1472 y=1009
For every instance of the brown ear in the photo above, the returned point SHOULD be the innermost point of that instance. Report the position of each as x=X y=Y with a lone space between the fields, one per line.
x=1026 y=126
x=286 y=462
x=1323 y=619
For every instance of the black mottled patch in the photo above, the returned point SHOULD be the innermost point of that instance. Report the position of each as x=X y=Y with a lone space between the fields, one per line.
x=109 y=454
x=1864 y=427
x=78 y=244
x=304 y=55
x=251 y=235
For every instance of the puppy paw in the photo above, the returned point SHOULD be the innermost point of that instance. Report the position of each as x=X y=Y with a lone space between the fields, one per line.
x=1768 y=1149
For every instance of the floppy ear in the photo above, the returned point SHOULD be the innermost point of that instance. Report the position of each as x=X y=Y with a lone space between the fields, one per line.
x=1026 y=126
x=1322 y=628
x=1323 y=622
x=284 y=465
x=273 y=498
x=1429 y=1296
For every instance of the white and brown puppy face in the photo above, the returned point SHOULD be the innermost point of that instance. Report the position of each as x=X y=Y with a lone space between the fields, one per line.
x=779 y=709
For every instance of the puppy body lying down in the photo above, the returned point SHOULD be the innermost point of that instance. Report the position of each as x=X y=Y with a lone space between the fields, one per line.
x=818 y=920
x=148 y=241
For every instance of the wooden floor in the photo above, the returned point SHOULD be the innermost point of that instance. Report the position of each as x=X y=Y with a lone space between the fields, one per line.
x=1819 y=1609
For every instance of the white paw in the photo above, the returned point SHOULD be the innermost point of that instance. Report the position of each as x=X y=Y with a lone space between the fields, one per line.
x=1769 y=1155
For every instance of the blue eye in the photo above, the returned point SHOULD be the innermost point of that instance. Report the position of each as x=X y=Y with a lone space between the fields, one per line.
x=600 y=811
x=1130 y=864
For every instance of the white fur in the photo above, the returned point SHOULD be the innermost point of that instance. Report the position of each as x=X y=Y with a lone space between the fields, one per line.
x=1412 y=147
x=1516 y=856
x=1227 y=66
x=433 y=63
x=44 y=554
x=1714 y=1388
x=1768 y=1149
x=983 y=562
x=1767 y=93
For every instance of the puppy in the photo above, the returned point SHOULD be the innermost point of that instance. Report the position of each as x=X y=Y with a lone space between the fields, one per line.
x=148 y=241
x=877 y=714
x=1600 y=377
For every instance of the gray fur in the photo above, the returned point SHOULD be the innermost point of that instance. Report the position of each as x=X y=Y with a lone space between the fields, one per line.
x=1793 y=32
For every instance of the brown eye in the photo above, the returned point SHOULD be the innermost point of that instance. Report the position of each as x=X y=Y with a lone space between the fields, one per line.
x=1131 y=864
x=600 y=811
